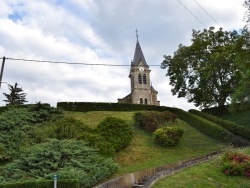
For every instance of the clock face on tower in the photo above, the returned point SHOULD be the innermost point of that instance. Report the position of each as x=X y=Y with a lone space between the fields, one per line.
x=141 y=69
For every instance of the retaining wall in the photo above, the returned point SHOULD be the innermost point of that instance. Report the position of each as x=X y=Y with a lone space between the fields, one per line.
x=147 y=178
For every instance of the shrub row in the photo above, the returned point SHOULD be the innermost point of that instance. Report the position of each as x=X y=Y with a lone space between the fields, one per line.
x=95 y=106
x=43 y=184
x=207 y=127
x=152 y=120
x=230 y=126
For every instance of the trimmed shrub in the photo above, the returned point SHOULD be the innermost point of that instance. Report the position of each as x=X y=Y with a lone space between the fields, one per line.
x=212 y=129
x=116 y=131
x=230 y=126
x=235 y=164
x=168 y=136
x=98 y=106
x=152 y=120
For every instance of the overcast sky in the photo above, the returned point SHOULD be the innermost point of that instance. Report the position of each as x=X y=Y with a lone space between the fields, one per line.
x=100 y=32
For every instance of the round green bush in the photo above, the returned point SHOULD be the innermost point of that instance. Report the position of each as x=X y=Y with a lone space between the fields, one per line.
x=116 y=131
x=168 y=136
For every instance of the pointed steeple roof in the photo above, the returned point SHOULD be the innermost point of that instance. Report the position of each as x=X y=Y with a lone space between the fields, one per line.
x=138 y=56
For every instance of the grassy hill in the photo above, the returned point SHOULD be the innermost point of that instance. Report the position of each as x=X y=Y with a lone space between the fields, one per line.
x=143 y=153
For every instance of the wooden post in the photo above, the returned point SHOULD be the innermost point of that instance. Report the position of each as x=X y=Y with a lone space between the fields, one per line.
x=1 y=74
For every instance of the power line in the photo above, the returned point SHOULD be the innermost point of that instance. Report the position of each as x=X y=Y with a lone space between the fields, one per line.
x=192 y=14
x=207 y=12
x=68 y=63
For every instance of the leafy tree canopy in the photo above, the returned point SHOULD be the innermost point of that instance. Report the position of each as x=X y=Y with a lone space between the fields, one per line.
x=16 y=96
x=205 y=72
x=241 y=97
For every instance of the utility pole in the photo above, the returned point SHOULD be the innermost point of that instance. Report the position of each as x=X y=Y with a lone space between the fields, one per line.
x=1 y=74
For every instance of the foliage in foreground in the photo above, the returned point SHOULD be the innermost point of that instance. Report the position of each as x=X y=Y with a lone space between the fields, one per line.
x=69 y=159
x=168 y=136
x=235 y=163
x=68 y=128
x=16 y=125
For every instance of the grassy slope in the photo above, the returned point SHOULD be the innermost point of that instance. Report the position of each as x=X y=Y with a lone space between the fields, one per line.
x=204 y=175
x=143 y=153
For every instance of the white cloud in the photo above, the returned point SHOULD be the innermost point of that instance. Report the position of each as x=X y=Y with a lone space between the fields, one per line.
x=98 y=32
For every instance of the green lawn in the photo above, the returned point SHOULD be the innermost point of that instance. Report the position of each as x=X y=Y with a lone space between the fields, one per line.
x=204 y=175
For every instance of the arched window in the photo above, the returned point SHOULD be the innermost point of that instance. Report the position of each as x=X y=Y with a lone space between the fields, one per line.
x=141 y=101
x=146 y=101
x=144 y=79
x=139 y=79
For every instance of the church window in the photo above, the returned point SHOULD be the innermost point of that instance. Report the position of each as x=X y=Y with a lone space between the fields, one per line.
x=144 y=79
x=139 y=79
x=146 y=101
x=141 y=101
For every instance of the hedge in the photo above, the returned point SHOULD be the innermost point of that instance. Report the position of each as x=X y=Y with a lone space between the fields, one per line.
x=72 y=183
x=230 y=126
x=98 y=106
x=213 y=130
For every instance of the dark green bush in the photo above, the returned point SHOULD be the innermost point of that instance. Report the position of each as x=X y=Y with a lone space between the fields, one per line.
x=207 y=127
x=96 y=106
x=99 y=142
x=63 y=128
x=44 y=112
x=230 y=126
x=168 y=136
x=69 y=159
x=43 y=184
x=116 y=131
x=152 y=120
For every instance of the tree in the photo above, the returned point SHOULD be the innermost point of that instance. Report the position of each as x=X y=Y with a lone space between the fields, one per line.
x=241 y=97
x=16 y=96
x=205 y=72
x=247 y=13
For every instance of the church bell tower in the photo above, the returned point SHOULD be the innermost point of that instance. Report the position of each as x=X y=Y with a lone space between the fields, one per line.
x=141 y=90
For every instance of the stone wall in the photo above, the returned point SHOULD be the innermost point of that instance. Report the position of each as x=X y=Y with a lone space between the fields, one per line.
x=146 y=178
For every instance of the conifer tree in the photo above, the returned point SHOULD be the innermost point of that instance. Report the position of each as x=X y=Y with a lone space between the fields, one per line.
x=16 y=95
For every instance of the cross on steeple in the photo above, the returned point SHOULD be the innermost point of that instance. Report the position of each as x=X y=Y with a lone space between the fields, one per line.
x=136 y=31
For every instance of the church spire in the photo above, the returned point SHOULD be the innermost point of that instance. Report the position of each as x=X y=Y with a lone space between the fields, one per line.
x=138 y=56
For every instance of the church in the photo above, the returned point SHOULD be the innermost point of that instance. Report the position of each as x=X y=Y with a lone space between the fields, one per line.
x=142 y=92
